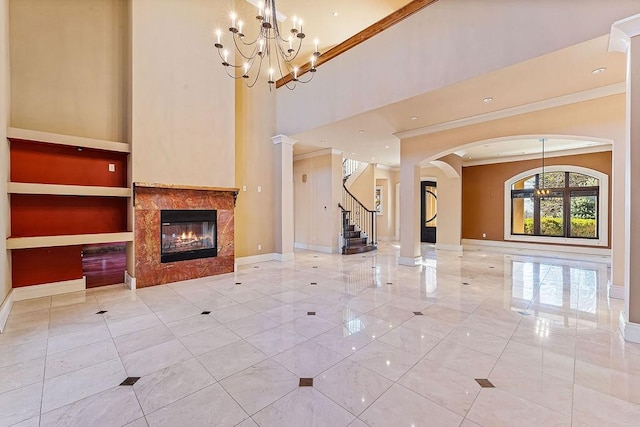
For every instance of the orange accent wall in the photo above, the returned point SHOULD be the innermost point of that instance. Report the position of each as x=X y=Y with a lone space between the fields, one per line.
x=483 y=191
x=45 y=265
x=42 y=215
x=43 y=163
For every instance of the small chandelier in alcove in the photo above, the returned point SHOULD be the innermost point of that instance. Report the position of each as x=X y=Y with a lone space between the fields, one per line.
x=278 y=50
x=540 y=190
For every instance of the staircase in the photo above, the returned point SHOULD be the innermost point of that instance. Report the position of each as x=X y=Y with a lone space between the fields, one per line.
x=354 y=240
x=358 y=222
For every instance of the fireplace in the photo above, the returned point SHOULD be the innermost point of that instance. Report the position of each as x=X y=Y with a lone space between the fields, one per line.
x=188 y=234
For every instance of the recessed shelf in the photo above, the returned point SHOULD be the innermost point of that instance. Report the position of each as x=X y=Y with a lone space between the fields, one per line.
x=66 y=190
x=67 y=240
x=74 y=141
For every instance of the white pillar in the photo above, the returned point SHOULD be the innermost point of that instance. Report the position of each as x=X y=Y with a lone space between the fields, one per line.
x=284 y=196
x=625 y=37
x=410 y=215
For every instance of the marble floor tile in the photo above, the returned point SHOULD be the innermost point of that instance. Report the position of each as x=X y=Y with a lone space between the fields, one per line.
x=211 y=406
x=20 y=404
x=308 y=359
x=76 y=385
x=114 y=407
x=251 y=325
x=171 y=384
x=598 y=409
x=444 y=386
x=462 y=359
x=133 y=324
x=391 y=313
x=429 y=325
x=478 y=340
x=276 y=340
x=177 y=312
x=410 y=340
x=140 y=422
x=21 y=374
x=310 y=326
x=154 y=358
x=35 y=304
x=400 y=406
x=10 y=355
x=260 y=385
x=130 y=343
x=79 y=357
x=231 y=314
x=387 y=360
x=303 y=407
x=623 y=385
x=209 y=339
x=351 y=385
x=193 y=324
x=81 y=338
x=342 y=340
x=496 y=407
x=230 y=359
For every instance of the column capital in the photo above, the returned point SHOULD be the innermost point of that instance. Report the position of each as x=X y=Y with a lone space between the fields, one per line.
x=283 y=139
x=622 y=31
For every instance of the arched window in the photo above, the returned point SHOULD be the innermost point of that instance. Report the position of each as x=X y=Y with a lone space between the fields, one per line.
x=573 y=212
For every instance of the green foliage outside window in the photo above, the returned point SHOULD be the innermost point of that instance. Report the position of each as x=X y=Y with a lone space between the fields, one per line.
x=550 y=226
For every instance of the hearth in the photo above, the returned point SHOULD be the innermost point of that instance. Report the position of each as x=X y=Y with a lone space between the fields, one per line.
x=188 y=234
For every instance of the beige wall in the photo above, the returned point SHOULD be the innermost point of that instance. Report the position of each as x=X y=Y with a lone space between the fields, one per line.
x=363 y=188
x=386 y=222
x=183 y=101
x=449 y=207
x=315 y=201
x=5 y=226
x=255 y=125
x=69 y=63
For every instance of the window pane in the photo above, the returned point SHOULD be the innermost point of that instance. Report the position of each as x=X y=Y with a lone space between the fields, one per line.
x=551 y=214
x=522 y=209
x=581 y=180
x=525 y=183
x=584 y=216
x=552 y=180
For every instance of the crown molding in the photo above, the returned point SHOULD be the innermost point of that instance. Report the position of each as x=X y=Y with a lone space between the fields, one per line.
x=318 y=153
x=559 y=101
x=534 y=156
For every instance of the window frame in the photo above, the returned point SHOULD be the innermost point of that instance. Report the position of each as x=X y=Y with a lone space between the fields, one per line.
x=602 y=202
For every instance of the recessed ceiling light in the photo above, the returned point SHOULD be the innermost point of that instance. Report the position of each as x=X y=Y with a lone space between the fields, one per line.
x=386 y=146
x=353 y=152
x=599 y=70
x=322 y=141
x=335 y=13
x=414 y=118
x=373 y=158
x=487 y=100
x=360 y=131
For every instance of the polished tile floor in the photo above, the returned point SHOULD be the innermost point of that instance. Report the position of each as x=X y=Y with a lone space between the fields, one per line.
x=385 y=345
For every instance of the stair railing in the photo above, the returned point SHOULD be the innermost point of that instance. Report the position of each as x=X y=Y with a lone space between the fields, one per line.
x=349 y=166
x=356 y=212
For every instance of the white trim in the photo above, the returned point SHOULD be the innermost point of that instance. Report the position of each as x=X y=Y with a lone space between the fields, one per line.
x=387 y=168
x=48 y=289
x=67 y=240
x=283 y=139
x=616 y=291
x=71 y=190
x=410 y=261
x=533 y=156
x=603 y=208
x=630 y=331
x=317 y=248
x=129 y=281
x=284 y=257
x=446 y=247
x=559 y=101
x=429 y=178
x=5 y=309
x=622 y=31
x=254 y=259
x=600 y=255
x=321 y=152
x=74 y=141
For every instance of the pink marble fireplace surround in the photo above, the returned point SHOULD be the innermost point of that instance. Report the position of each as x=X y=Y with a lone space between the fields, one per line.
x=149 y=200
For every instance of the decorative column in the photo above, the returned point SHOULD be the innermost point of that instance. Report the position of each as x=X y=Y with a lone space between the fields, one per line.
x=410 y=215
x=283 y=161
x=625 y=37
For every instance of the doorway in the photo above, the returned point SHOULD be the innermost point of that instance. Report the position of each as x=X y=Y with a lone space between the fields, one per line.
x=428 y=211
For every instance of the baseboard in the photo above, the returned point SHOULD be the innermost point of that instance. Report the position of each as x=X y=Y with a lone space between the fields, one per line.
x=284 y=257
x=630 y=331
x=254 y=259
x=49 y=289
x=410 y=261
x=316 y=248
x=601 y=255
x=387 y=239
x=5 y=309
x=616 y=291
x=129 y=281
x=445 y=247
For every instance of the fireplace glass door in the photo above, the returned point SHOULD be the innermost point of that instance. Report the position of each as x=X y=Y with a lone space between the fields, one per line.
x=188 y=234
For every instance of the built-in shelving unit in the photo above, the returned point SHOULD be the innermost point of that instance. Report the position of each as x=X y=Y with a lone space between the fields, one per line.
x=66 y=192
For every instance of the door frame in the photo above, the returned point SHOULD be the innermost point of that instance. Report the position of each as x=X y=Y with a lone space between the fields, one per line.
x=424 y=180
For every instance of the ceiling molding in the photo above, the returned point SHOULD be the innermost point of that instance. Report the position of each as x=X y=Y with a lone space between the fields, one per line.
x=388 y=168
x=559 y=101
x=362 y=36
x=534 y=156
x=318 y=153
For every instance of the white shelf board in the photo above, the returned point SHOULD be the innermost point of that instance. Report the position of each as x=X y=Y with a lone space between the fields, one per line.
x=67 y=240
x=66 y=190
x=75 y=141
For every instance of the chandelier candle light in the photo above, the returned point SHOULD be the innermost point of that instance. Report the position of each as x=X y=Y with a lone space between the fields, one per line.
x=541 y=192
x=278 y=50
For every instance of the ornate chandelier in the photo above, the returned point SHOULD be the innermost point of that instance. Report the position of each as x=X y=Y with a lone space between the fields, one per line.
x=278 y=50
x=541 y=191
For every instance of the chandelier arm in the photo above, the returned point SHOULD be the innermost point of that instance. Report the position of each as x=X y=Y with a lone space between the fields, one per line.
x=239 y=50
